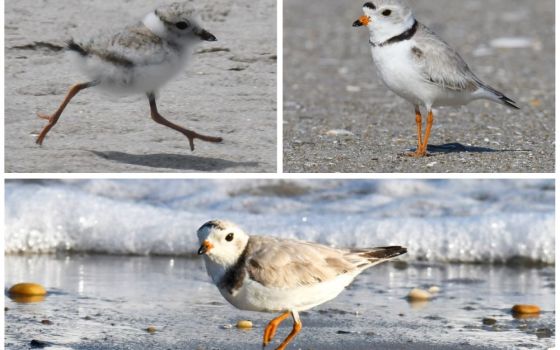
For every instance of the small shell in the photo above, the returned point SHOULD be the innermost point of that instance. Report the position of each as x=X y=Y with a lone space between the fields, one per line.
x=244 y=324
x=434 y=289
x=27 y=289
x=417 y=294
x=523 y=309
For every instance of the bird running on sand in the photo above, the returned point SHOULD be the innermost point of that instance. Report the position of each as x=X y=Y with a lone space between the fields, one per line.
x=267 y=274
x=139 y=59
x=418 y=66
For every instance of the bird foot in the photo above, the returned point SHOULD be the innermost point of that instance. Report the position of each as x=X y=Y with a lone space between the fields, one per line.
x=417 y=154
x=44 y=116
x=52 y=121
x=191 y=135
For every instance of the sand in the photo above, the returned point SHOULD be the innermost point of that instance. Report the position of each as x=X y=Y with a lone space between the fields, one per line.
x=228 y=90
x=330 y=83
x=108 y=302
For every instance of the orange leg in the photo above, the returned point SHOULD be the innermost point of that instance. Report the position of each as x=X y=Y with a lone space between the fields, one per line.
x=419 y=127
x=270 y=329
x=191 y=135
x=427 y=135
x=295 y=330
x=54 y=118
x=418 y=152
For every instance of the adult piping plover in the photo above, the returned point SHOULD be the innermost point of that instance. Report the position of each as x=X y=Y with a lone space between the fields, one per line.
x=268 y=274
x=418 y=66
x=139 y=59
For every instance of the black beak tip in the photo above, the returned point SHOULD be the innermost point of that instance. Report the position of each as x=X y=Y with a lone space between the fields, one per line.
x=207 y=36
x=357 y=24
x=201 y=251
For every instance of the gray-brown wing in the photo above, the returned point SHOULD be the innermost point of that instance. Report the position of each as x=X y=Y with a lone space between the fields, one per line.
x=440 y=64
x=289 y=263
x=134 y=44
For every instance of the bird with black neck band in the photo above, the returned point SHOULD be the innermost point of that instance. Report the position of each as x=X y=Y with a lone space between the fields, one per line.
x=418 y=66
x=285 y=276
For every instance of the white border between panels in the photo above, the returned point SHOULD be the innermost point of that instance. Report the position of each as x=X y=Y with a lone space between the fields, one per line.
x=280 y=86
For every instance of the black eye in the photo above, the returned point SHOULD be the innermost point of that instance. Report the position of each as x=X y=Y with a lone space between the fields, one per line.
x=182 y=25
x=386 y=13
x=229 y=237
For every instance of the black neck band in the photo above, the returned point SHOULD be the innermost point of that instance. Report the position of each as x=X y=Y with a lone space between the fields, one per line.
x=401 y=37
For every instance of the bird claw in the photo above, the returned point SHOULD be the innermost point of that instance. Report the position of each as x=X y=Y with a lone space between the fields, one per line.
x=417 y=154
x=44 y=116
x=193 y=135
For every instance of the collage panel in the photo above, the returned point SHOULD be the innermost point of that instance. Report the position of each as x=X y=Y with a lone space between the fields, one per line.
x=132 y=89
x=207 y=264
x=354 y=106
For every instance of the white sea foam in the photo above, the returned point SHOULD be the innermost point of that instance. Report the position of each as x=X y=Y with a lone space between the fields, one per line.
x=443 y=220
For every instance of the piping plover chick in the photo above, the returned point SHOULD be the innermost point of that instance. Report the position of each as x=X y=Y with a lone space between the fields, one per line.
x=267 y=274
x=139 y=59
x=418 y=66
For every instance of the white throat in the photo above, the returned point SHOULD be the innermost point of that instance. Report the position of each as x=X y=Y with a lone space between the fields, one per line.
x=155 y=25
x=215 y=271
x=384 y=32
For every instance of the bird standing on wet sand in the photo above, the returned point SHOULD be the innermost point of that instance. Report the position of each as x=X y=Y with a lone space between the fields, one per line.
x=418 y=66
x=267 y=274
x=139 y=59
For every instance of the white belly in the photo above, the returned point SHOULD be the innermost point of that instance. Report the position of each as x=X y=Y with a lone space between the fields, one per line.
x=401 y=75
x=253 y=296
x=141 y=78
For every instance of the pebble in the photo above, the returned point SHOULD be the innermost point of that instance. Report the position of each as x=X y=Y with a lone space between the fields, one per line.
x=536 y=102
x=39 y=344
x=489 y=321
x=434 y=289
x=28 y=289
x=46 y=322
x=151 y=329
x=339 y=132
x=417 y=294
x=544 y=333
x=244 y=324
x=227 y=326
x=524 y=309
x=511 y=43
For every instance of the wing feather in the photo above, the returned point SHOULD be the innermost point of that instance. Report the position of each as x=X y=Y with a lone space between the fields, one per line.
x=289 y=263
x=440 y=64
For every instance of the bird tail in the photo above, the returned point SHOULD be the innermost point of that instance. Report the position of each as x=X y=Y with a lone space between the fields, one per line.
x=72 y=46
x=378 y=255
x=500 y=97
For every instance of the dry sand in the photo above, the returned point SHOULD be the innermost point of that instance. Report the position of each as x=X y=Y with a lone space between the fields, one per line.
x=330 y=83
x=229 y=90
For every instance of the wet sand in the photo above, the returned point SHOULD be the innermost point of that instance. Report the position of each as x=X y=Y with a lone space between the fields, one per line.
x=107 y=302
x=228 y=90
x=331 y=83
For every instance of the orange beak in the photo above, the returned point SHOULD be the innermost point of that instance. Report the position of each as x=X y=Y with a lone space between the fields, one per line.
x=205 y=247
x=362 y=21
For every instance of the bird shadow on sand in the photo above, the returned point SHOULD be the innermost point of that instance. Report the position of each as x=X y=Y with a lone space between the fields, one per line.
x=173 y=161
x=459 y=148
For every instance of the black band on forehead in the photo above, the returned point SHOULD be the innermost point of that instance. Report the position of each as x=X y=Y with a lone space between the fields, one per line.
x=369 y=5
x=213 y=224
